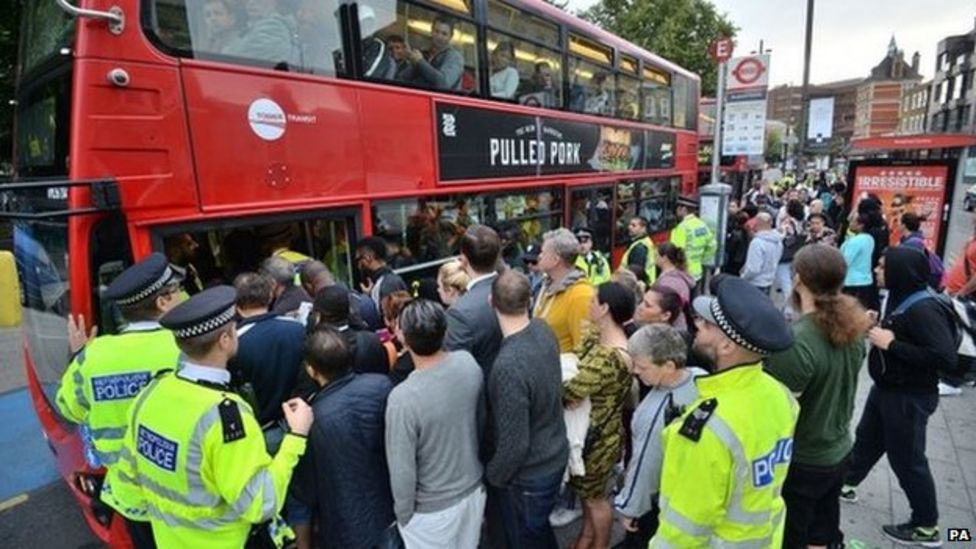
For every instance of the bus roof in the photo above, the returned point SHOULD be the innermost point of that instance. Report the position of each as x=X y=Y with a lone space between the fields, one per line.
x=594 y=31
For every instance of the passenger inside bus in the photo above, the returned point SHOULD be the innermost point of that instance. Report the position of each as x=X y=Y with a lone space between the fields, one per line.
x=182 y=251
x=268 y=36
x=541 y=90
x=377 y=60
x=598 y=97
x=440 y=67
x=398 y=49
x=223 y=19
x=504 y=76
x=321 y=49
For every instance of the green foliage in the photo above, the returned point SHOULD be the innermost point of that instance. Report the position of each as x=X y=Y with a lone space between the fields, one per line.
x=9 y=27
x=774 y=146
x=678 y=30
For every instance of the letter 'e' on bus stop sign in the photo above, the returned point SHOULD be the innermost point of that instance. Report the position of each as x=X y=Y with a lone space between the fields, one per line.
x=721 y=49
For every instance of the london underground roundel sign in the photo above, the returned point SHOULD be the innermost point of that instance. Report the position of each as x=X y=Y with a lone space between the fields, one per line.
x=749 y=70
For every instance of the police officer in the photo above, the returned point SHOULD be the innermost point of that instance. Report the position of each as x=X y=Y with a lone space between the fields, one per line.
x=108 y=371
x=591 y=261
x=694 y=237
x=726 y=456
x=195 y=447
x=641 y=252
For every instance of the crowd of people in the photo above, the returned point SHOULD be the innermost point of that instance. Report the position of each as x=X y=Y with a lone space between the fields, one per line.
x=392 y=415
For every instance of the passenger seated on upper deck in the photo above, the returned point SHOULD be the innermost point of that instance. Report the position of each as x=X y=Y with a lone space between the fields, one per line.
x=440 y=67
x=541 y=91
x=223 y=20
x=377 y=61
x=268 y=36
x=598 y=98
x=398 y=50
x=504 y=76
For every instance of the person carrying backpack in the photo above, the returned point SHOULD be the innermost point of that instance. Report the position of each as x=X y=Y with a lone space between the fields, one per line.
x=917 y=338
x=912 y=236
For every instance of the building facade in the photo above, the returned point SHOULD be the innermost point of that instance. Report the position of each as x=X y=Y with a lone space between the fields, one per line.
x=913 y=118
x=879 y=96
x=952 y=104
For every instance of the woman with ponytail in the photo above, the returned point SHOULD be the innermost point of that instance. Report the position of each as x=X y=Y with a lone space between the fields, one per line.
x=672 y=264
x=821 y=369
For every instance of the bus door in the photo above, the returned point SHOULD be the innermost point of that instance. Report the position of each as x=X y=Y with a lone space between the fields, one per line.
x=592 y=207
x=216 y=251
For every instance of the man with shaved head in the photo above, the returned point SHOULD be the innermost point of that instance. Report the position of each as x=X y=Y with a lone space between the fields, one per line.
x=764 y=253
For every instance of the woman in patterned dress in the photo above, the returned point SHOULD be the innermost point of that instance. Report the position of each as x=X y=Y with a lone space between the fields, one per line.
x=604 y=377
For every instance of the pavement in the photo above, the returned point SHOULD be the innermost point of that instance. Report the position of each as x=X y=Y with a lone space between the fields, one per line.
x=37 y=509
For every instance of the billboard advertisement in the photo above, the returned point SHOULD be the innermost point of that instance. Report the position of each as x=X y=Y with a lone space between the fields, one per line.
x=820 y=123
x=919 y=189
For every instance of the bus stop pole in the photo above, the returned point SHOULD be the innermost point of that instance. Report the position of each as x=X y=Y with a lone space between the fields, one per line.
x=719 y=114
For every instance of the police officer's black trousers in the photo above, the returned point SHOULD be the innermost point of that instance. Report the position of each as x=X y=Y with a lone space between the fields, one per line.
x=140 y=533
x=895 y=424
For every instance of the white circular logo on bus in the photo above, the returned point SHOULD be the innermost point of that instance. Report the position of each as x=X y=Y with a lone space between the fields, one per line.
x=267 y=119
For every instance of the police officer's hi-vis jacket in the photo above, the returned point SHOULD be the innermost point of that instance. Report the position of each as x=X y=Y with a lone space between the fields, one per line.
x=195 y=454
x=697 y=240
x=101 y=382
x=725 y=461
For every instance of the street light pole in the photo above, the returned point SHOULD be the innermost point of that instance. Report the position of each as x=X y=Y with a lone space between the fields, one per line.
x=808 y=46
x=719 y=108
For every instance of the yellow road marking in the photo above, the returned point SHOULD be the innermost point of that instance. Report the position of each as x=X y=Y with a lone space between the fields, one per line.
x=12 y=502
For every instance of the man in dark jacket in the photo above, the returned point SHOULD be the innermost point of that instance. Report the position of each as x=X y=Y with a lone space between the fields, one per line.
x=471 y=323
x=381 y=281
x=332 y=308
x=916 y=338
x=269 y=354
x=289 y=298
x=343 y=474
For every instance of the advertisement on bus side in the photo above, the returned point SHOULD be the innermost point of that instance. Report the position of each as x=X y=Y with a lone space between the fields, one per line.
x=475 y=143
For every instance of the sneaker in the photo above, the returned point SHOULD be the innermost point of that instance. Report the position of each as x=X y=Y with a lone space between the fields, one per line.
x=906 y=534
x=848 y=494
x=562 y=517
x=947 y=390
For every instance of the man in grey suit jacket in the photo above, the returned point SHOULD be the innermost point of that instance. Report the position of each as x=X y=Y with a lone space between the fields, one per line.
x=471 y=322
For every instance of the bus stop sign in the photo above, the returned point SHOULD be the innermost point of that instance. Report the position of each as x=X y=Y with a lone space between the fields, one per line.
x=721 y=49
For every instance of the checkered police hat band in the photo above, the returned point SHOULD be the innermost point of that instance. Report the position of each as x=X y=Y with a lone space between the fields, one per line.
x=728 y=330
x=206 y=326
x=148 y=290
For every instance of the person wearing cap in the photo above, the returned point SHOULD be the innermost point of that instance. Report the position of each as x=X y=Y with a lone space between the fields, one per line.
x=107 y=372
x=641 y=253
x=194 y=447
x=694 y=237
x=726 y=456
x=591 y=261
x=276 y=241
x=530 y=258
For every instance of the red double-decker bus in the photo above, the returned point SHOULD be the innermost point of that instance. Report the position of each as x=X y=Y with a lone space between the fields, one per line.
x=213 y=129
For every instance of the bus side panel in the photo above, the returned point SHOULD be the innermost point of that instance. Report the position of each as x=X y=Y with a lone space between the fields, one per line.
x=271 y=140
x=398 y=135
x=686 y=162
x=136 y=134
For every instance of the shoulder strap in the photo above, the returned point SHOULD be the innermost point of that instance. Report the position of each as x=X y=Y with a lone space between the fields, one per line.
x=911 y=300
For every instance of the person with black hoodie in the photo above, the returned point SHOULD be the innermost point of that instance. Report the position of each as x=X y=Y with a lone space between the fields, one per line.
x=915 y=339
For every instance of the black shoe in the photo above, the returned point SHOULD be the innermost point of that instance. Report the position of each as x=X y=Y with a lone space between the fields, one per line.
x=907 y=534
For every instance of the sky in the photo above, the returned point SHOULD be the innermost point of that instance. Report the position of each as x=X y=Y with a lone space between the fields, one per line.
x=849 y=36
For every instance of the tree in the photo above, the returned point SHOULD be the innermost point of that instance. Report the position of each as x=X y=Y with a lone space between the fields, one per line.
x=774 y=146
x=678 y=30
x=9 y=25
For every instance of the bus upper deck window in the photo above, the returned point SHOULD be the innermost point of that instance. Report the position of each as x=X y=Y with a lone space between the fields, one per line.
x=301 y=36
